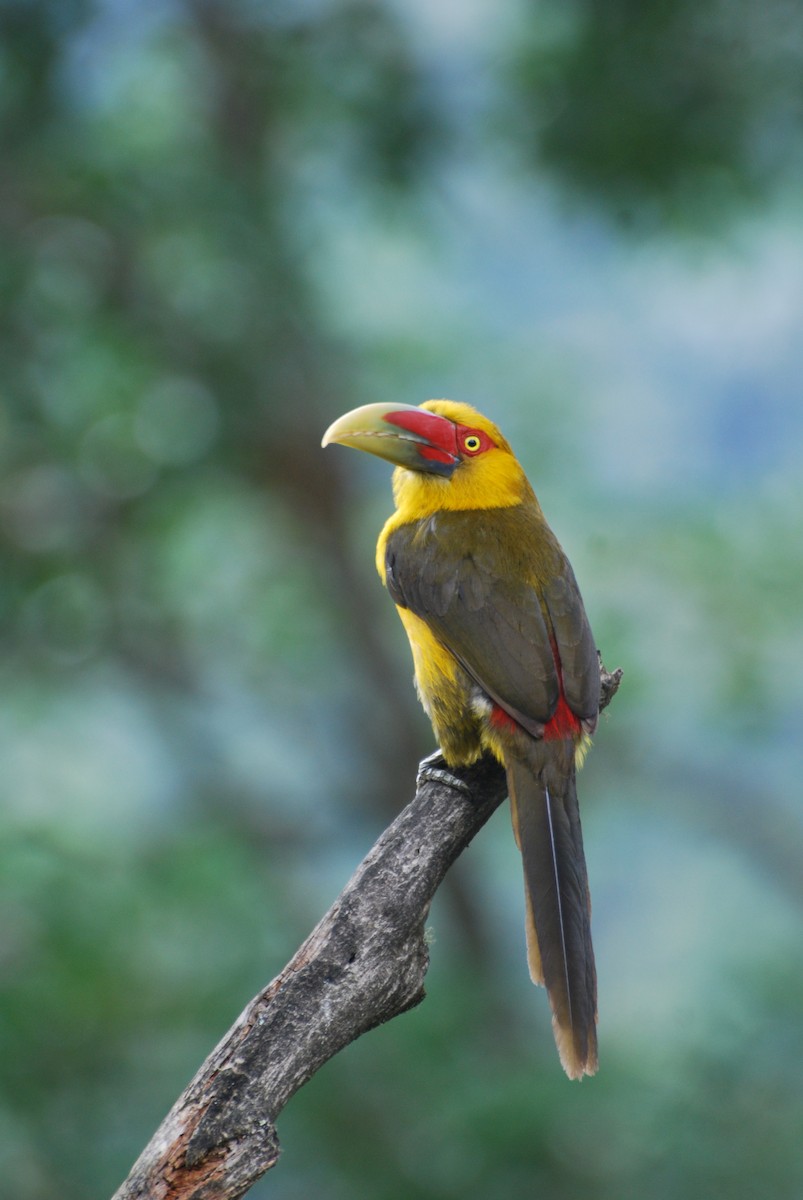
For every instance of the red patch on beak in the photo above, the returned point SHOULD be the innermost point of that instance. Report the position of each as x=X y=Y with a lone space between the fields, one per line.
x=437 y=436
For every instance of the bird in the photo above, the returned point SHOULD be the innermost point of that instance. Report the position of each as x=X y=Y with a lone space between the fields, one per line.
x=505 y=662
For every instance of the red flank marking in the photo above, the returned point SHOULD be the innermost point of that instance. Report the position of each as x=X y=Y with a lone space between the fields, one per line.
x=502 y=720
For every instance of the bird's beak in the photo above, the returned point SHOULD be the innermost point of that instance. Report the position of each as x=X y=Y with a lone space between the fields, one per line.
x=401 y=433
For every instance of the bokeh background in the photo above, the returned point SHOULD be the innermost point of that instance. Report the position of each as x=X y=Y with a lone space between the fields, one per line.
x=225 y=222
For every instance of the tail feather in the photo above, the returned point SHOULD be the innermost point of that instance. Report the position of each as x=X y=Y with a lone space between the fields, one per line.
x=533 y=950
x=560 y=954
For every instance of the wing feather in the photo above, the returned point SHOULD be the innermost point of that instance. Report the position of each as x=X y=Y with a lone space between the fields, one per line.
x=495 y=589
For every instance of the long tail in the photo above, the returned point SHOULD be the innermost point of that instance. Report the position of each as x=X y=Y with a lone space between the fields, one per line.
x=546 y=820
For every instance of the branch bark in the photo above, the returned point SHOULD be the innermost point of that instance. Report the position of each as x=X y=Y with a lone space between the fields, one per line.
x=363 y=964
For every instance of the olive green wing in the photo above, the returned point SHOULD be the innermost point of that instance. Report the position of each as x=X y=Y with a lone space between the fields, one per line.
x=451 y=574
x=575 y=643
x=497 y=591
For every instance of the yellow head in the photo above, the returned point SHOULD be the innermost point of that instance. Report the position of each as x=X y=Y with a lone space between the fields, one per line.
x=447 y=455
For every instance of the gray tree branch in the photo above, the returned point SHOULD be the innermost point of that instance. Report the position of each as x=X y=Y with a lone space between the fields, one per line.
x=363 y=964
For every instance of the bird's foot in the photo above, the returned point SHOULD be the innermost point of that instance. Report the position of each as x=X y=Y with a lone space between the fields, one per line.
x=433 y=769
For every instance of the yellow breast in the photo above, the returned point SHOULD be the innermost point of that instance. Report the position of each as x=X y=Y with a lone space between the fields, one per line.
x=445 y=692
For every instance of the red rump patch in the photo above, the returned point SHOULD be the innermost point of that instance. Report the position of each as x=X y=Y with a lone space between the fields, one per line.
x=563 y=724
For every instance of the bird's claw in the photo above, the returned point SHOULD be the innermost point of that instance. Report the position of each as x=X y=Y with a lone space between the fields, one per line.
x=428 y=772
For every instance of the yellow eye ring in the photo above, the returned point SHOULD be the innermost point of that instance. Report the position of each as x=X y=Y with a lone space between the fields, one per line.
x=472 y=443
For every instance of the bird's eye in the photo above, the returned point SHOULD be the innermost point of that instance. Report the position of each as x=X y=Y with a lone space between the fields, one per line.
x=472 y=443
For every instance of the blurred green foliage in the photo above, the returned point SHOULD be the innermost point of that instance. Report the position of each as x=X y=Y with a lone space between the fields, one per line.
x=669 y=114
x=223 y=224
